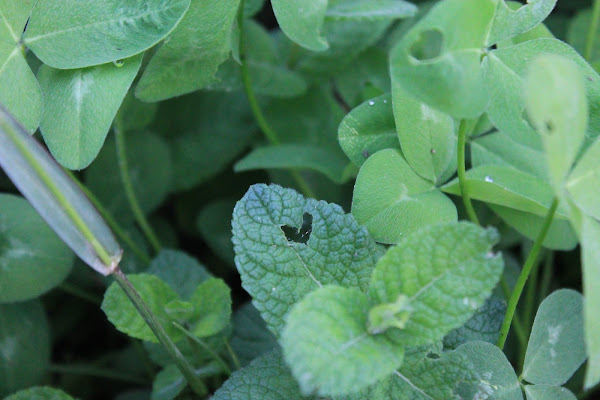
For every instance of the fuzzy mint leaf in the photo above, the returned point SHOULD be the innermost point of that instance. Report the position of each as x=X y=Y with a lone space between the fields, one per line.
x=328 y=348
x=277 y=272
x=439 y=268
x=511 y=21
x=212 y=307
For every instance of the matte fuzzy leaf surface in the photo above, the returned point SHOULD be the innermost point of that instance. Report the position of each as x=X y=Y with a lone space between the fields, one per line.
x=73 y=34
x=328 y=348
x=79 y=107
x=332 y=248
x=556 y=347
x=391 y=200
x=512 y=21
x=439 y=268
x=547 y=392
x=212 y=307
x=28 y=268
x=370 y=9
x=302 y=21
x=40 y=393
x=583 y=184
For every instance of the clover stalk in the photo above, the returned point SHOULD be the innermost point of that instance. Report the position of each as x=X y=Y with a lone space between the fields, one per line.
x=462 y=177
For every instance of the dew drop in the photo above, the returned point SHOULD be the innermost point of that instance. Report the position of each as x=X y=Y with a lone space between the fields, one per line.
x=489 y=179
x=433 y=151
x=273 y=289
x=385 y=101
x=371 y=102
x=119 y=63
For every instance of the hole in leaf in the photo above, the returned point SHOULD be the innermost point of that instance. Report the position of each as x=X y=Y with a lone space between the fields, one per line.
x=299 y=235
x=428 y=45
x=433 y=356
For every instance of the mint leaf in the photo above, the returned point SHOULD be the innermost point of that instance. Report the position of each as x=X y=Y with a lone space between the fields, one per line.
x=212 y=307
x=69 y=34
x=40 y=393
x=180 y=271
x=440 y=268
x=509 y=23
x=250 y=338
x=79 y=107
x=266 y=378
x=391 y=200
x=277 y=271
x=302 y=21
x=547 y=392
x=327 y=346
x=556 y=347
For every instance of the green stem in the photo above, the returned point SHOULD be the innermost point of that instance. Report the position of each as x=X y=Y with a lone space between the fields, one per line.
x=87 y=370
x=519 y=331
x=77 y=292
x=593 y=29
x=462 y=177
x=158 y=330
x=529 y=263
x=116 y=228
x=530 y=296
x=131 y=197
x=206 y=347
x=234 y=357
x=267 y=130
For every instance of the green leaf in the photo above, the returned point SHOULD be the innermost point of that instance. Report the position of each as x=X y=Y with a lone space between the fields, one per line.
x=497 y=378
x=251 y=7
x=583 y=184
x=556 y=347
x=214 y=224
x=483 y=326
x=250 y=338
x=123 y=315
x=180 y=271
x=266 y=378
x=295 y=156
x=168 y=384
x=557 y=107
x=328 y=348
x=391 y=200
x=212 y=307
x=427 y=137
x=19 y=90
x=190 y=57
x=68 y=34
x=546 y=392
x=133 y=114
x=79 y=107
x=277 y=271
x=149 y=165
x=302 y=22
x=40 y=393
x=370 y=9
x=577 y=32
x=441 y=65
x=24 y=345
x=442 y=267
x=367 y=129
x=510 y=22
x=30 y=268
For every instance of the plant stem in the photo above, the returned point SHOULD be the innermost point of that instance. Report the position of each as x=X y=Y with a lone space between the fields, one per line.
x=529 y=263
x=530 y=295
x=462 y=178
x=88 y=370
x=158 y=330
x=267 y=130
x=116 y=228
x=519 y=331
x=206 y=347
x=546 y=277
x=234 y=357
x=131 y=197
x=77 y=292
x=593 y=29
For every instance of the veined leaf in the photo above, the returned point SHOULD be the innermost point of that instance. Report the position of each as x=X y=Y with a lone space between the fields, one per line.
x=302 y=21
x=370 y=9
x=212 y=308
x=70 y=34
x=512 y=21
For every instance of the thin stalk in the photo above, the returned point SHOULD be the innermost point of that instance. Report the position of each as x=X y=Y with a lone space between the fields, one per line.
x=519 y=330
x=96 y=372
x=529 y=263
x=530 y=296
x=234 y=357
x=592 y=31
x=114 y=225
x=158 y=330
x=206 y=347
x=78 y=292
x=131 y=197
x=462 y=177
x=267 y=130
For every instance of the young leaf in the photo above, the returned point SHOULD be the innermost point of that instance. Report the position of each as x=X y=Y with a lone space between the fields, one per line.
x=367 y=129
x=180 y=271
x=441 y=267
x=29 y=268
x=547 y=392
x=69 y=34
x=391 y=200
x=370 y=9
x=266 y=378
x=40 y=393
x=296 y=156
x=212 y=308
x=24 y=345
x=123 y=315
x=327 y=346
x=250 y=338
x=278 y=269
x=583 y=184
x=189 y=59
x=441 y=65
x=56 y=197
x=302 y=21
x=427 y=137
x=169 y=382
x=556 y=348
x=79 y=107
x=510 y=22
x=556 y=104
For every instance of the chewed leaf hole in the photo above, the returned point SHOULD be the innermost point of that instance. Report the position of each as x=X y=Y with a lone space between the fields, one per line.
x=433 y=356
x=299 y=235
x=429 y=45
